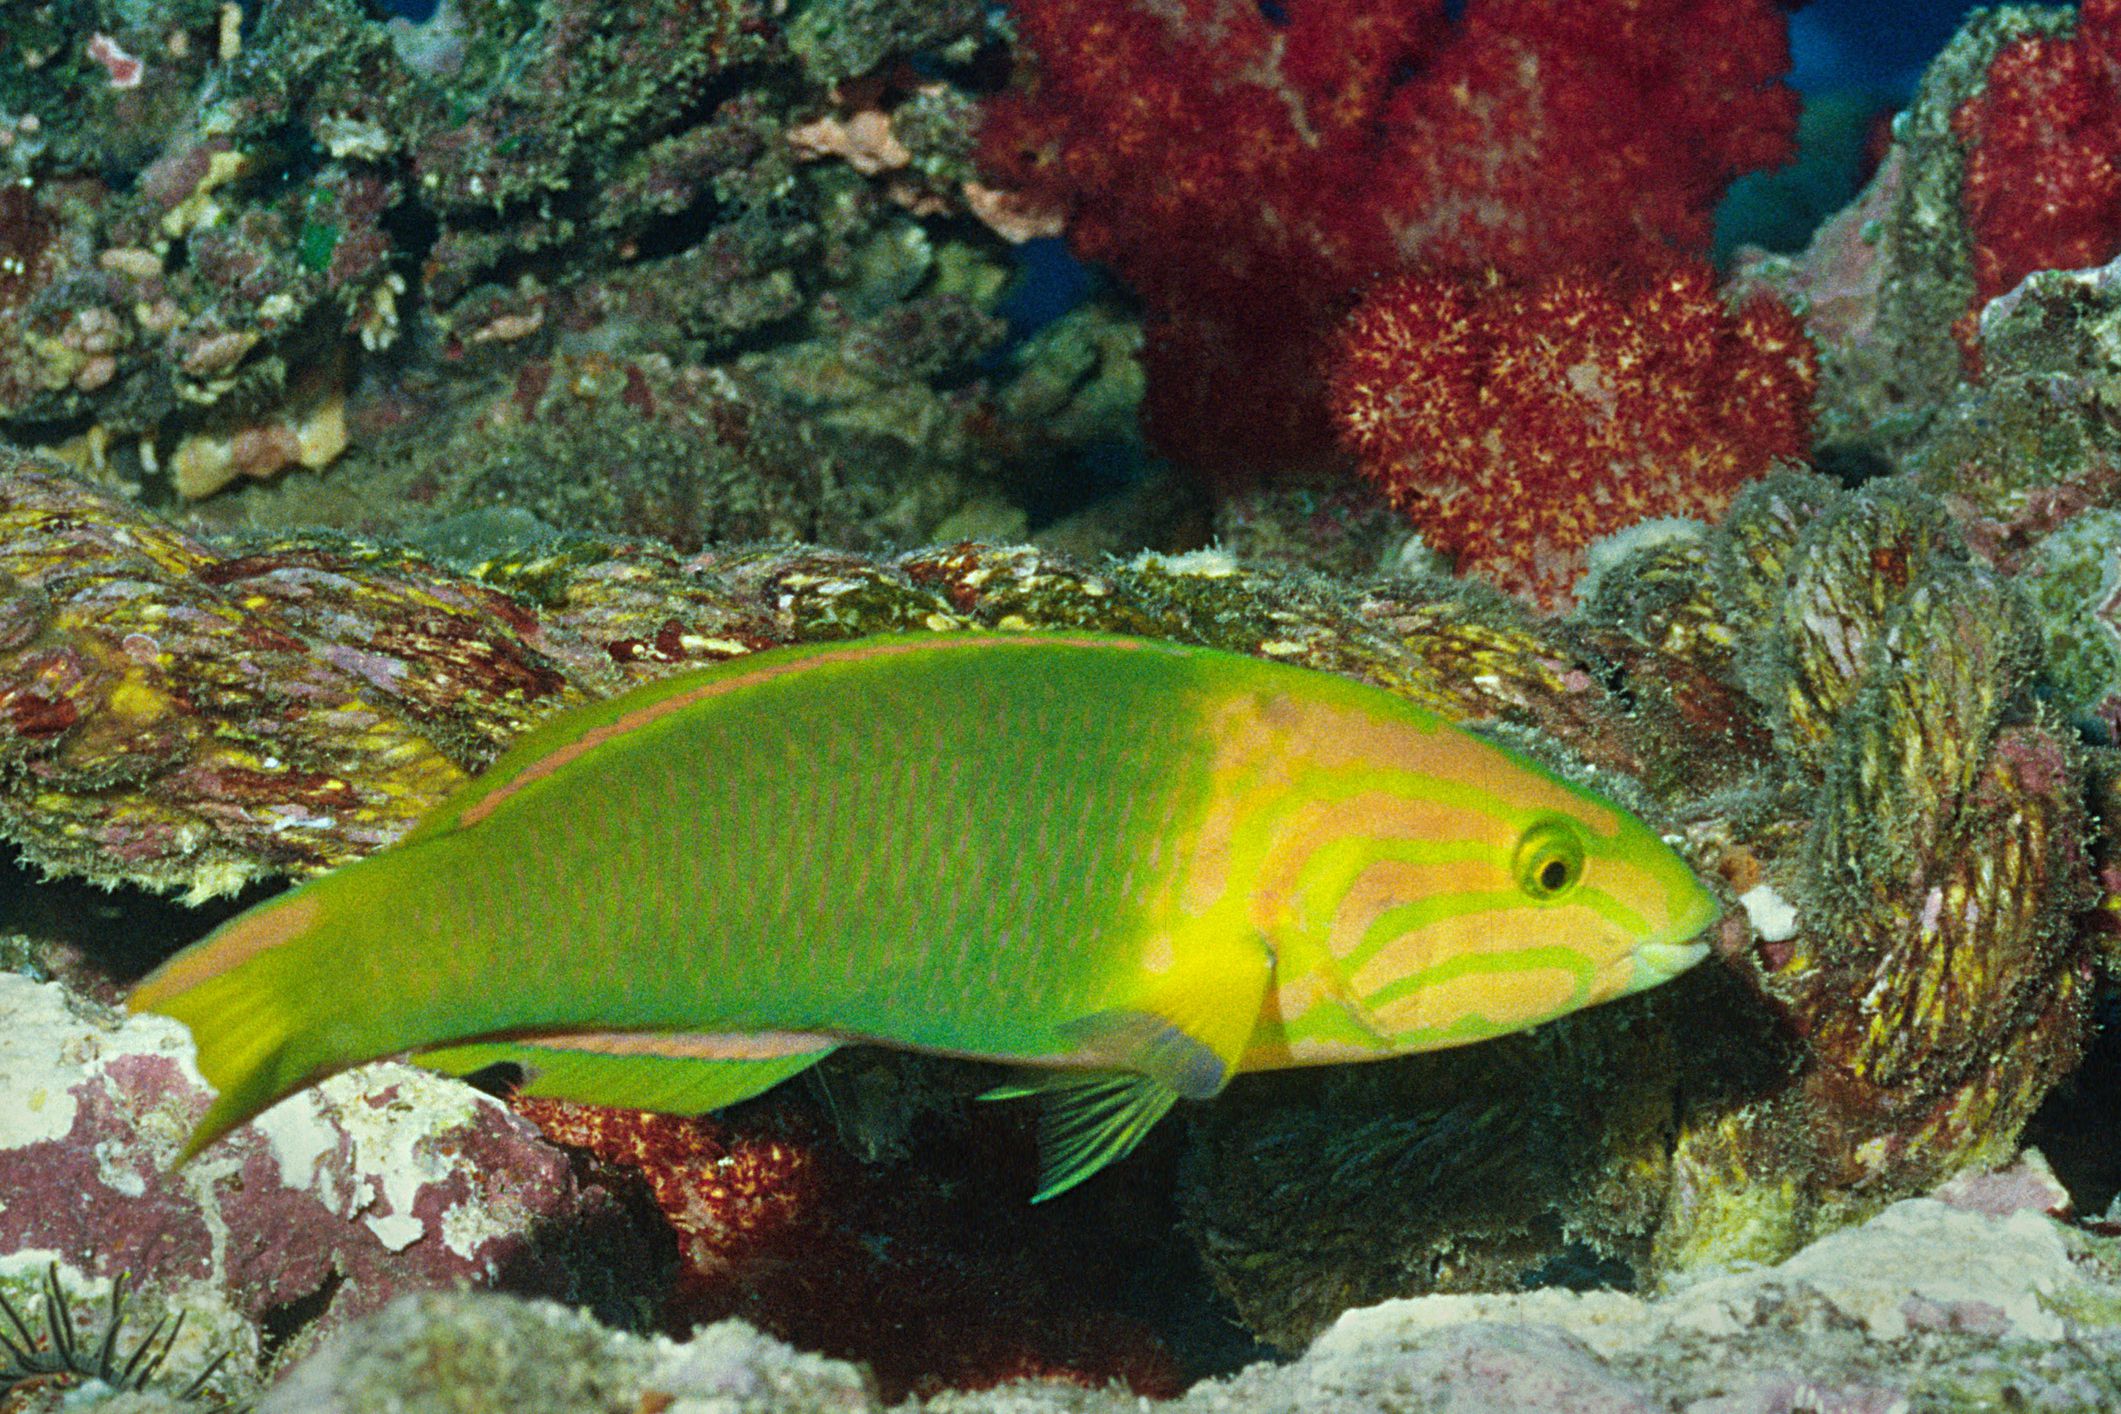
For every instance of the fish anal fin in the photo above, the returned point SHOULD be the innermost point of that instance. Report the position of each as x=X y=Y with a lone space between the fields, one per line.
x=670 y=1075
x=1090 y=1119
x=1188 y=1027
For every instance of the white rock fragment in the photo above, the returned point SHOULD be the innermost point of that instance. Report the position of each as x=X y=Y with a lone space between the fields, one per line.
x=1773 y=917
x=1214 y=562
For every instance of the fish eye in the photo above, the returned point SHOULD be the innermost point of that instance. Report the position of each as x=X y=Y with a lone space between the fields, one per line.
x=1549 y=859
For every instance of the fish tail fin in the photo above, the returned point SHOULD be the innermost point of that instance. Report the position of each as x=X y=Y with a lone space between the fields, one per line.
x=247 y=1088
x=240 y=995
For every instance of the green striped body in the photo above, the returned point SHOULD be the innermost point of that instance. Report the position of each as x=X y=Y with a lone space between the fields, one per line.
x=1142 y=866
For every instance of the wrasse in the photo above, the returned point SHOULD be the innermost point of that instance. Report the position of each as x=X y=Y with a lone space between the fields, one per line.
x=1132 y=868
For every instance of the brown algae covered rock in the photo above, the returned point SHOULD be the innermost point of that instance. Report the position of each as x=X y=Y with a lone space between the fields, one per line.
x=178 y=717
x=2028 y=463
x=349 y=270
x=1913 y=866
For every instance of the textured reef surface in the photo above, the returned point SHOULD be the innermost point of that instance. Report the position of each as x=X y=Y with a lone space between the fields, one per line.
x=372 y=389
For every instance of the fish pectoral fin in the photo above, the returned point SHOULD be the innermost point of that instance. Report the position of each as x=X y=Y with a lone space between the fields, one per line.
x=676 y=1081
x=1189 y=1027
x=1090 y=1119
x=1181 y=1037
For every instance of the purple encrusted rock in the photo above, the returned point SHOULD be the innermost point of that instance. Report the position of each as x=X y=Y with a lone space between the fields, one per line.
x=380 y=1181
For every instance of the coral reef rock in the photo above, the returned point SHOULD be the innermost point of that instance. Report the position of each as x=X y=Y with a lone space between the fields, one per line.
x=1959 y=1301
x=382 y=1180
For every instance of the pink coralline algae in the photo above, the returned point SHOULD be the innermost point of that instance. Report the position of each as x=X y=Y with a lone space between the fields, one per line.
x=382 y=1181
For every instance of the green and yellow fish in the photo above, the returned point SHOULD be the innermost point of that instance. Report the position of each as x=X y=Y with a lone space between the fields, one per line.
x=1133 y=868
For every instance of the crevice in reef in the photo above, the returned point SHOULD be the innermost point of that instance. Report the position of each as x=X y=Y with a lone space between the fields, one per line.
x=284 y=1322
x=2073 y=1129
x=120 y=931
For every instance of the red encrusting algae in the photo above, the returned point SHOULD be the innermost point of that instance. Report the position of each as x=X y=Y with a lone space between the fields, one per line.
x=934 y=1282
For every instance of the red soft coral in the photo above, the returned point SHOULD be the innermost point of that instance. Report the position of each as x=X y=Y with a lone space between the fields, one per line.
x=1199 y=148
x=1248 y=177
x=2042 y=187
x=1516 y=424
x=1549 y=135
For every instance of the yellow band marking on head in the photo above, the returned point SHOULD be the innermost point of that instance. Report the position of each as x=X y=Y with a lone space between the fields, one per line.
x=1510 y=999
x=1385 y=884
x=1487 y=932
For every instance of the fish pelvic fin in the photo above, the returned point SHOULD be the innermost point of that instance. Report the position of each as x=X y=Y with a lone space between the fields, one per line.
x=676 y=1080
x=1180 y=1037
x=1090 y=1119
x=1188 y=1027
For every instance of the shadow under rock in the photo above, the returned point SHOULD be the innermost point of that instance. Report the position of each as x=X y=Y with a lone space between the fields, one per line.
x=115 y=936
x=2074 y=1128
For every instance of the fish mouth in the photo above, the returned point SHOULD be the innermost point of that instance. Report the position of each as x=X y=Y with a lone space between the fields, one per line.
x=1661 y=962
x=1670 y=950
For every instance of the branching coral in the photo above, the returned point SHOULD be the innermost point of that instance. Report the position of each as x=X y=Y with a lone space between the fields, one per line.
x=1515 y=425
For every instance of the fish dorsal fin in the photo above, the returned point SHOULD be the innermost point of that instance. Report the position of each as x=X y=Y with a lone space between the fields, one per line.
x=670 y=1075
x=1188 y=1026
x=1091 y=1118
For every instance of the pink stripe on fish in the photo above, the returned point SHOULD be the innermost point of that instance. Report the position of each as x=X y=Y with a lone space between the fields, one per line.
x=732 y=1045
